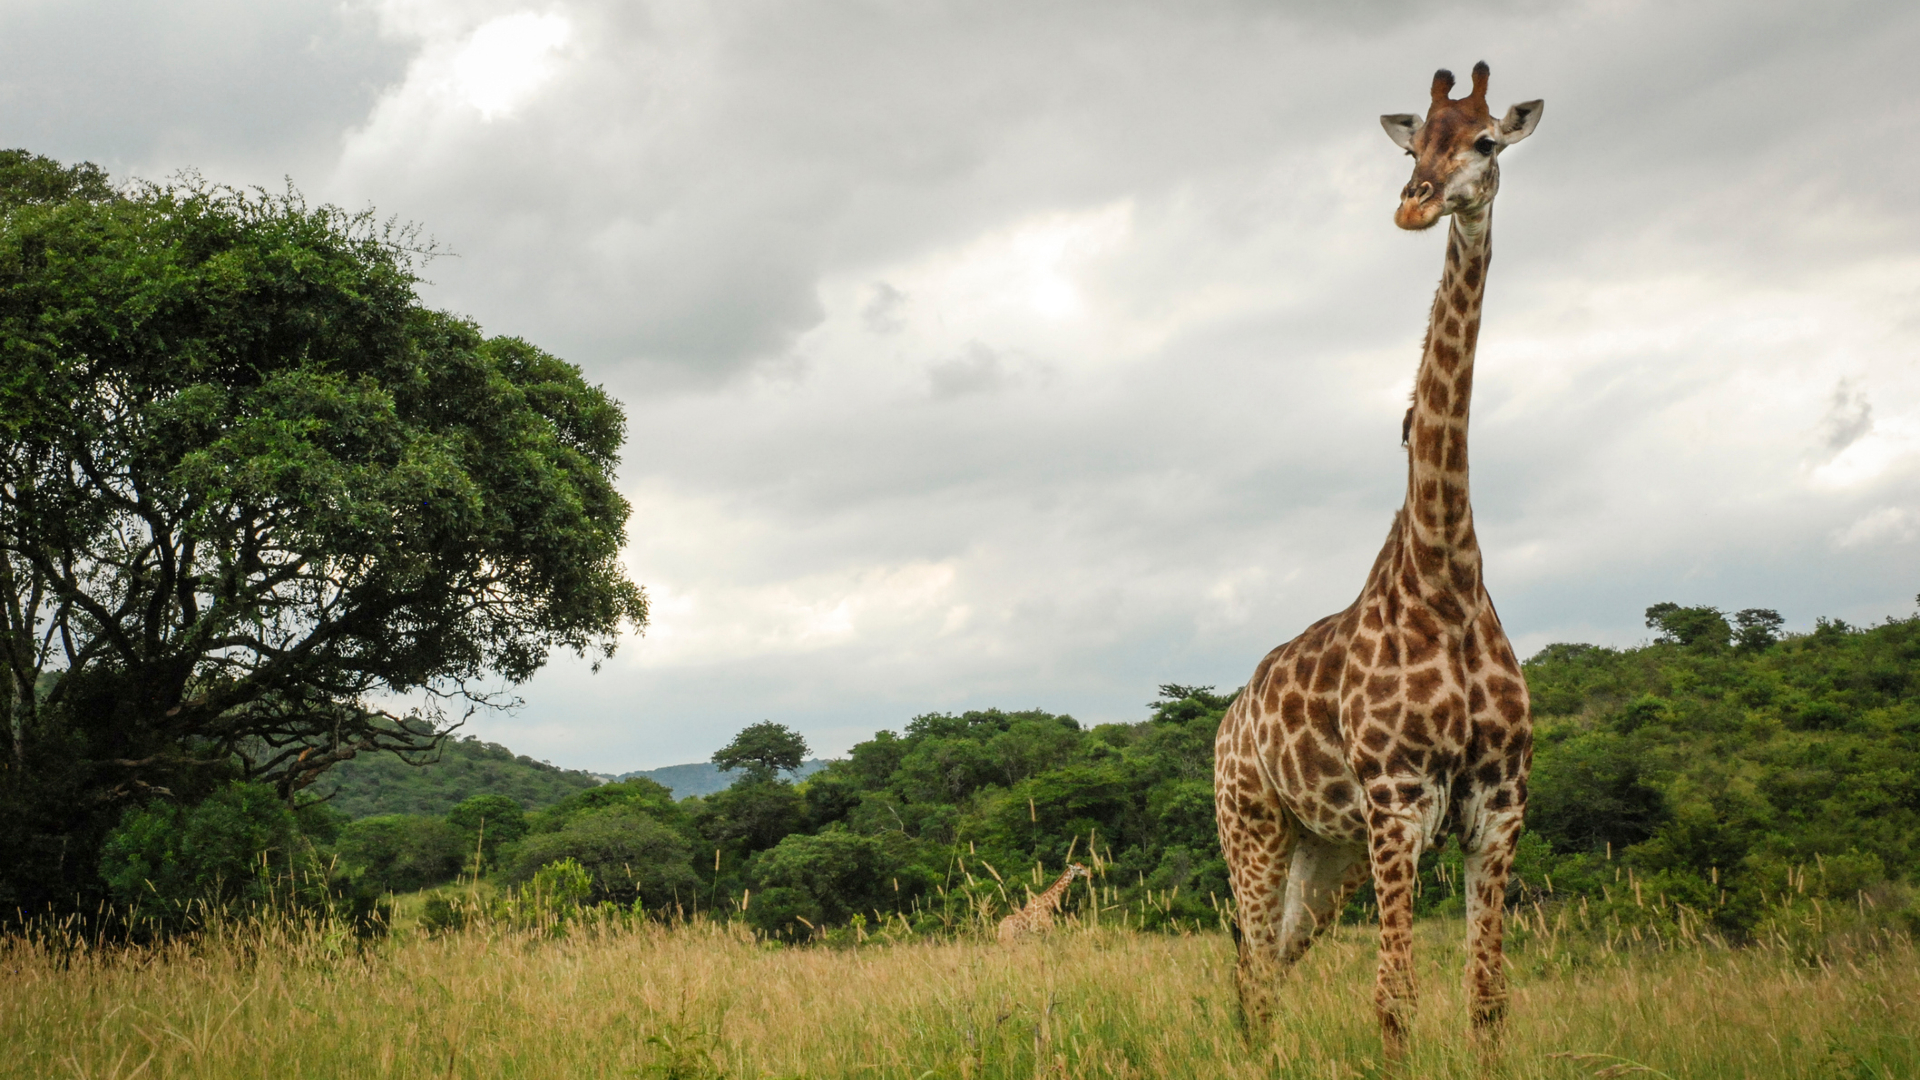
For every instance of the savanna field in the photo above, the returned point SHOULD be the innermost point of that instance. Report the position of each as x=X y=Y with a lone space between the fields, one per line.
x=1718 y=882
x=710 y=1000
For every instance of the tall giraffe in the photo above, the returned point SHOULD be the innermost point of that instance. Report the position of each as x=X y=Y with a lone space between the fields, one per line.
x=1037 y=916
x=1403 y=719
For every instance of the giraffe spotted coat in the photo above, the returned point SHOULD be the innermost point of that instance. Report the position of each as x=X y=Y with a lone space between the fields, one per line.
x=1037 y=916
x=1403 y=720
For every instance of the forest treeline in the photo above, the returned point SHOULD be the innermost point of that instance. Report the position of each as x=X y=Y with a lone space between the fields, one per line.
x=1725 y=770
x=373 y=784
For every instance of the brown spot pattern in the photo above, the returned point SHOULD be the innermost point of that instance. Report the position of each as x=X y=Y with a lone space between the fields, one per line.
x=1407 y=713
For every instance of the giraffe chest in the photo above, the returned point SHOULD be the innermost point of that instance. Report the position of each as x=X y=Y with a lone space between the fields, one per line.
x=1392 y=708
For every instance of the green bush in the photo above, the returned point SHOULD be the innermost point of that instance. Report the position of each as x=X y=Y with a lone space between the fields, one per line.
x=240 y=847
x=648 y=796
x=551 y=898
x=628 y=854
x=825 y=879
x=487 y=822
x=403 y=853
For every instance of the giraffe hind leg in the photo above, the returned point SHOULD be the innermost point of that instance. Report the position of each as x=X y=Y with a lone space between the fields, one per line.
x=1489 y=863
x=1259 y=839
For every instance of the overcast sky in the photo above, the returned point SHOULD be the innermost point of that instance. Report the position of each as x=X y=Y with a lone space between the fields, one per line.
x=1036 y=354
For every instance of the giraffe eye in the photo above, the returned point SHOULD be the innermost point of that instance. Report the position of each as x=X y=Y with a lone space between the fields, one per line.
x=1485 y=145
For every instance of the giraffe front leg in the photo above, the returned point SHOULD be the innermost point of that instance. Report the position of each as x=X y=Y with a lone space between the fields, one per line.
x=1394 y=842
x=1490 y=849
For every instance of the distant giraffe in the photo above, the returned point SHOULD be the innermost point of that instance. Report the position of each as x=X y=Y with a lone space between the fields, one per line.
x=1037 y=916
x=1403 y=719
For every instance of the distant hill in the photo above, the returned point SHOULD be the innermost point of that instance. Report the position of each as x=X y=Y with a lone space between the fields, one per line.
x=704 y=777
x=383 y=784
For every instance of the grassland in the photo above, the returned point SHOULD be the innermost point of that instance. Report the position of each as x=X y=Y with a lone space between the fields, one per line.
x=708 y=1001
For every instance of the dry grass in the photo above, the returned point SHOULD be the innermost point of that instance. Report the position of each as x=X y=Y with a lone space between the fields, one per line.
x=706 y=1001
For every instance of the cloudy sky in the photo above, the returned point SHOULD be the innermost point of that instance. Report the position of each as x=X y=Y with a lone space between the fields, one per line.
x=1036 y=354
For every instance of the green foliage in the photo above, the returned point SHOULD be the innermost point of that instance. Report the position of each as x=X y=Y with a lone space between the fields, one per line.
x=1702 y=627
x=550 y=897
x=1744 y=783
x=372 y=784
x=1755 y=629
x=761 y=752
x=29 y=179
x=629 y=855
x=486 y=822
x=240 y=847
x=1593 y=793
x=749 y=817
x=248 y=486
x=644 y=795
x=401 y=853
x=997 y=793
x=826 y=879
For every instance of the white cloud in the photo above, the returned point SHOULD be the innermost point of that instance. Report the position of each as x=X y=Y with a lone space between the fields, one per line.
x=483 y=72
x=1889 y=524
x=1038 y=354
x=506 y=61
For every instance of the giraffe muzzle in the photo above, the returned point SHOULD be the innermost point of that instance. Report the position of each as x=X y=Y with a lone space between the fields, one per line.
x=1420 y=206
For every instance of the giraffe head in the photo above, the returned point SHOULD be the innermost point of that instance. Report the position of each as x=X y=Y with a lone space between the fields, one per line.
x=1455 y=150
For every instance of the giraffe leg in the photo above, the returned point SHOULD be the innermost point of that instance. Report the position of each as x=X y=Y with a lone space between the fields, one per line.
x=1259 y=837
x=1394 y=842
x=1489 y=859
x=1323 y=875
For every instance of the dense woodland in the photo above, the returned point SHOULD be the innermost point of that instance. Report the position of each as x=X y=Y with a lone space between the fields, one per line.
x=1722 y=769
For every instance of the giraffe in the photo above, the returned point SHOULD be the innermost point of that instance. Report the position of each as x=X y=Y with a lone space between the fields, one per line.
x=1404 y=719
x=1037 y=916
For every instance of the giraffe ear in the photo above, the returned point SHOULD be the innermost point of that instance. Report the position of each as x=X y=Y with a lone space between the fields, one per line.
x=1520 y=121
x=1401 y=128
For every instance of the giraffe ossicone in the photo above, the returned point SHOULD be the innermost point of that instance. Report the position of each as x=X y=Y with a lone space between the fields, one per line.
x=1036 y=917
x=1404 y=719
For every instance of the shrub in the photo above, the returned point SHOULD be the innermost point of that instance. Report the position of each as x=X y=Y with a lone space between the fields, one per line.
x=627 y=853
x=824 y=879
x=488 y=821
x=241 y=846
x=403 y=853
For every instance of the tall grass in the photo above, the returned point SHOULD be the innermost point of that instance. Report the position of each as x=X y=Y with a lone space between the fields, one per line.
x=634 y=998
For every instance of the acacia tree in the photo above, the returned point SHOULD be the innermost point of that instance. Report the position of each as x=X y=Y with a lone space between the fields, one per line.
x=761 y=752
x=249 y=488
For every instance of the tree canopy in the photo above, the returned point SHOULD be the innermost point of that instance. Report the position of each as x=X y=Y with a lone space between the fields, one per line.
x=1764 y=787
x=250 y=487
x=465 y=768
x=762 y=751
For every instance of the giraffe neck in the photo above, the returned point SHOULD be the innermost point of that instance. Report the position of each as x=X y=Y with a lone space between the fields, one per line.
x=1438 y=520
x=1051 y=898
